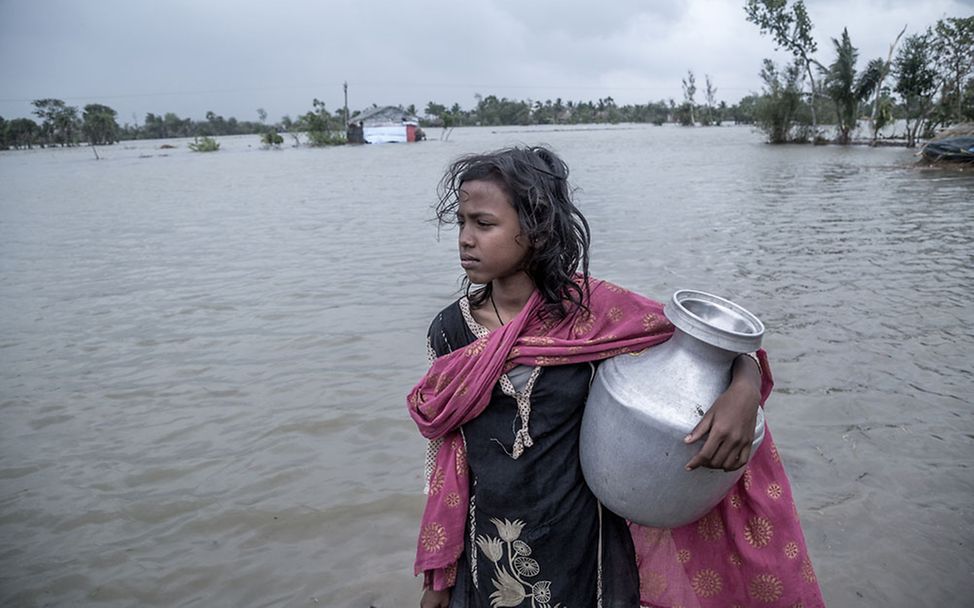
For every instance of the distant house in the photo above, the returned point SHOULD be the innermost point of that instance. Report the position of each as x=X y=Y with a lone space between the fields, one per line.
x=388 y=124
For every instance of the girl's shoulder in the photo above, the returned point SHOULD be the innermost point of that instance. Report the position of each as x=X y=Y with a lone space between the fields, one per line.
x=448 y=331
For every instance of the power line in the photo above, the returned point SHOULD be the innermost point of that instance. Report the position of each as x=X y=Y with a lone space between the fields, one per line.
x=367 y=84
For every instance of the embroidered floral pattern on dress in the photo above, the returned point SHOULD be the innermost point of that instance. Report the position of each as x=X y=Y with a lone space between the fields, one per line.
x=707 y=583
x=765 y=588
x=584 y=323
x=476 y=347
x=808 y=573
x=461 y=457
x=653 y=585
x=710 y=527
x=615 y=314
x=512 y=568
x=758 y=531
x=653 y=322
x=791 y=550
x=433 y=537
x=436 y=481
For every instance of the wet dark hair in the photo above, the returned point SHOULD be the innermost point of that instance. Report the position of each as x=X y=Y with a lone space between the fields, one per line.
x=536 y=181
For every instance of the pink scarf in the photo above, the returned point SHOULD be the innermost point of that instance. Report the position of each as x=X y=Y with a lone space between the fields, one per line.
x=458 y=386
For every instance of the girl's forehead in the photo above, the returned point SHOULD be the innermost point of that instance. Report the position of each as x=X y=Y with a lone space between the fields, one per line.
x=482 y=189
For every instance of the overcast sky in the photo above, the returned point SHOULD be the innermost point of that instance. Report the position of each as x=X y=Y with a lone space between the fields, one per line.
x=233 y=56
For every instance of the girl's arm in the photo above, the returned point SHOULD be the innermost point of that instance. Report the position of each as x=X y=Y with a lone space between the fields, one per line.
x=729 y=423
x=435 y=599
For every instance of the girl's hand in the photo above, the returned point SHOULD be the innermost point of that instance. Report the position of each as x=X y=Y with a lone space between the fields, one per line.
x=435 y=599
x=729 y=423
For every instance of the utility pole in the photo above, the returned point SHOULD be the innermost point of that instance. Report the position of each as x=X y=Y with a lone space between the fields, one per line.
x=345 y=87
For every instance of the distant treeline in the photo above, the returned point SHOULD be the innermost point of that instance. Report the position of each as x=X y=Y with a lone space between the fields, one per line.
x=928 y=81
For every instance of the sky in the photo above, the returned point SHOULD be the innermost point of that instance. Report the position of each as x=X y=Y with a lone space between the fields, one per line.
x=234 y=56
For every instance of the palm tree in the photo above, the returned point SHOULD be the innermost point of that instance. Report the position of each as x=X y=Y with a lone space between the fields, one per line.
x=845 y=89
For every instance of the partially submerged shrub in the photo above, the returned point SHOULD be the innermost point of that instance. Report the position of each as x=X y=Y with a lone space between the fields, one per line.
x=204 y=144
x=325 y=138
x=271 y=138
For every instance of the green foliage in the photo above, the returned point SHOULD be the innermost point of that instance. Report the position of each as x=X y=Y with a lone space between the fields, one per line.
x=791 y=31
x=744 y=112
x=916 y=81
x=686 y=114
x=711 y=113
x=60 y=124
x=21 y=133
x=884 y=113
x=98 y=124
x=321 y=128
x=271 y=138
x=953 y=47
x=325 y=138
x=845 y=88
x=204 y=144
x=776 y=111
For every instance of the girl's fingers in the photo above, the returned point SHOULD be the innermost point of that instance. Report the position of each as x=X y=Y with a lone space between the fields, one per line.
x=702 y=428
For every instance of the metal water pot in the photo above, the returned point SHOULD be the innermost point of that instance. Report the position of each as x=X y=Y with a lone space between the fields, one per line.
x=640 y=407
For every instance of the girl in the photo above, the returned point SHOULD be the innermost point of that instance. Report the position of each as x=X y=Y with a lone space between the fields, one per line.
x=509 y=520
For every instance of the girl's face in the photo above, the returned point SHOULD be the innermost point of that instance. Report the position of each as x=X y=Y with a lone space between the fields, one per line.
x=491 y=245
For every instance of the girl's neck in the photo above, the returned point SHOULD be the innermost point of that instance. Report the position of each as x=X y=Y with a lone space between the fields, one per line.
x=511 y=293
x=508 y=296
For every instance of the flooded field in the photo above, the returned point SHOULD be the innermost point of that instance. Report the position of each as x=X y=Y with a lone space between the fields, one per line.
x=204 y=357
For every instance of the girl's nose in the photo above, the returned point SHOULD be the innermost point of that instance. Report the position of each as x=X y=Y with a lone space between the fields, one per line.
x=466 y=240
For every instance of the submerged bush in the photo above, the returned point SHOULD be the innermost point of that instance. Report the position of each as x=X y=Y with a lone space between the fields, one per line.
x=204 y=144
x=271 y=138
x=325 y=138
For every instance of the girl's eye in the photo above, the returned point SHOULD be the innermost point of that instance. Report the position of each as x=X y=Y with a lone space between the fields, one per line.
x=484 y=224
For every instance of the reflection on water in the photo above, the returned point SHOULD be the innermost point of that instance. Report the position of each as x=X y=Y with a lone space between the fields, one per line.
x=203 y=357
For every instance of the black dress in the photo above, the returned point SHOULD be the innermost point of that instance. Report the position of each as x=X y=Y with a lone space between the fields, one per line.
x=536 y=536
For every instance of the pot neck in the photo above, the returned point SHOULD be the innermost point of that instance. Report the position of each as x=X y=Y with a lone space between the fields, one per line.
x=709 y=352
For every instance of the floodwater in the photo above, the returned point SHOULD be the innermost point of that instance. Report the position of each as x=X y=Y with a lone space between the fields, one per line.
x=203 y=357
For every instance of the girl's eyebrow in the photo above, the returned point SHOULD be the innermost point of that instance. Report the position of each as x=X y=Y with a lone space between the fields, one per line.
x=474 y=214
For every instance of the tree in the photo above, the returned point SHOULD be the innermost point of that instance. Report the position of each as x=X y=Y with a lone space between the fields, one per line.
x=916 y=82
x=262 y=115
x=776 y=110
x=60 y=121
x=98 y=124
x=271 y=139
x=882 y=113
x=204 y=144
x=953 y=46
x=791 y=31
x=22 y=132
x=689 y=90
x=321 y=127
x=710 y=115
x=847 y=90
x=743 y=112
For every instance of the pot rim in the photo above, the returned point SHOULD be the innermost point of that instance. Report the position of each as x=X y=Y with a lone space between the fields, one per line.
x=702 y=329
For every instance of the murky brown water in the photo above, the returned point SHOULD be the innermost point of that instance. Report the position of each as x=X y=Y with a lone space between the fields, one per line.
x=203 y=357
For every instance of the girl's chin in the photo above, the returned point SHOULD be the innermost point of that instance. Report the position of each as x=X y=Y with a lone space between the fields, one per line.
x=476 y=278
